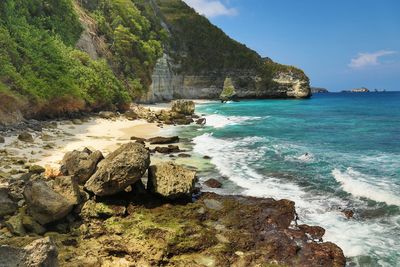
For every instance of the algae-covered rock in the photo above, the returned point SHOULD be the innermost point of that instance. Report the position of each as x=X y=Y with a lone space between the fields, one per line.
x=121 y=168
x=81 y=164
x=185 y=107
x=36 y=169
x=15 y=226
x=44 y=204
x=171 y=181
x=92 y=209
x=228 y=92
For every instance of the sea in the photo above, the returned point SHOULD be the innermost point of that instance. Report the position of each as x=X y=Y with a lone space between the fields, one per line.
x=330 y=153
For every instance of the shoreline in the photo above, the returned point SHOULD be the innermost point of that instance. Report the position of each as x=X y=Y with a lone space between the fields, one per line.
x=107 y=135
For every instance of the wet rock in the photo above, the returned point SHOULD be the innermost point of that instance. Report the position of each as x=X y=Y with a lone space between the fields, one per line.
x=25 y=137
x=7 y=206
x=80 y=164
x=213 y=183
x=170 y=180
x=2 y=140
x=201 y=121
x=185 y=107
x=15 y=226
x=206 y=157
x=107 y=115
x=36 y=169
x=183 y=155
x=159 y=140
x=41 y=252
x=348 y=213
x=44 y=204
x=121 y=168
x=167 y=150
x=315 y=232
x=68 y=187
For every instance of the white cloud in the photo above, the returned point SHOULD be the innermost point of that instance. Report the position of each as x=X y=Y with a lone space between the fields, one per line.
x=368 y=59
x=211 y=8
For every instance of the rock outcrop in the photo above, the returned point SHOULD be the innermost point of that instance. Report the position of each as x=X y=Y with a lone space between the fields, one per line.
x=121 y=168
x=171 y=181
x=41 y=252
x=184 y=107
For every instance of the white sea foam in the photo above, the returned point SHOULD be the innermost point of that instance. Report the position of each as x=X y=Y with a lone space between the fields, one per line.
x=234 y=159
x=220 y=121
x=359 y=185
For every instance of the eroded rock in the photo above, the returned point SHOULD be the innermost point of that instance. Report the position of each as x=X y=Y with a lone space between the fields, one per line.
x=185 y=107
x=171 y=181
x=41 y=252
x=213 y=183
x=81 y=164
x=159 y=140
x=44 y=204
x=121 y=168
x=25 y=137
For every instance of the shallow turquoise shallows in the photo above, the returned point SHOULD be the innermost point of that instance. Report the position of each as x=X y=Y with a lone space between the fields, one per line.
x=331 y=153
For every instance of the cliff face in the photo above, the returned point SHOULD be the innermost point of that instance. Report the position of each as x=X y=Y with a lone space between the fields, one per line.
x=199 y=56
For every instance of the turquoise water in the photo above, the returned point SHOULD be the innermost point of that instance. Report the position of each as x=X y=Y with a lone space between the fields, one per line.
x=331 y=152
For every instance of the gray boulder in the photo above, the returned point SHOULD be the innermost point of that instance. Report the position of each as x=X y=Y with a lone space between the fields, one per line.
x=185 y=107
x=7 y=206
x=81 y=164
x=40 y=253
x=121 y=168
x=171 y=181
x=44 y=204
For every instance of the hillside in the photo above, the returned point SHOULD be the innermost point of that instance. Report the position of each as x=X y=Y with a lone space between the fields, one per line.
x=62 y=57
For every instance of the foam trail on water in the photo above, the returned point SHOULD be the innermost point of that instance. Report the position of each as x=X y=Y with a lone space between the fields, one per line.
x=220 y=121
x=359 y=185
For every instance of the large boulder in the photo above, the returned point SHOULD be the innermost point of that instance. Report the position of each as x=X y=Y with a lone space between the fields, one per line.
x=81 y=164
x=171 y=181
x=121 y=168
x=44 y=204
x=41 y=252
x=185 y=107
x=7 y=206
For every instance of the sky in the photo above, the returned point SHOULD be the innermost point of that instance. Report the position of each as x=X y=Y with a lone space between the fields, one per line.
x=340 y=44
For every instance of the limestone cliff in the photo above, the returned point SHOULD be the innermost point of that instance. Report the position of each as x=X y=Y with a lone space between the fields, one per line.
x=194 y=67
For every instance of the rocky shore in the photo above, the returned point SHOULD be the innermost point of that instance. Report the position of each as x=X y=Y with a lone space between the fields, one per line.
x=135 y=206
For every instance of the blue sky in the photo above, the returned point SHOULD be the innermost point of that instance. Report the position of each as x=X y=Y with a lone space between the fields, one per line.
x=340 y=44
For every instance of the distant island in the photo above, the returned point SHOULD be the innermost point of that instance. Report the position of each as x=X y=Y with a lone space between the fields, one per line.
x=357 y=90
x=317 y=90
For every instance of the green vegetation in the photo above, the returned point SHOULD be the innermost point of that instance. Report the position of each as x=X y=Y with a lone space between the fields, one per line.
x=228 y=91
x=201 y=45
x=40 y=67
x=134 y=40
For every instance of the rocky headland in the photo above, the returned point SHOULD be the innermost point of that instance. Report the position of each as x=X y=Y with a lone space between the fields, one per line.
x=130 y=203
